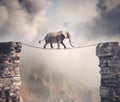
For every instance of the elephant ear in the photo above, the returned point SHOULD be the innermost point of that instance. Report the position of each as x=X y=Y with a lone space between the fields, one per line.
x=61 y=32
x=65 y=33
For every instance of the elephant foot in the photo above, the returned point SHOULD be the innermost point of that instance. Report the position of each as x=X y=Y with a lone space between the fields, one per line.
x=65 y=47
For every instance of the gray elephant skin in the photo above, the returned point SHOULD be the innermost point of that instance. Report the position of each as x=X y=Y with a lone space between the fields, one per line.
x=56 y=37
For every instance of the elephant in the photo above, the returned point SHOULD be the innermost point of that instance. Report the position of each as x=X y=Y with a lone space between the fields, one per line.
x=57 y=37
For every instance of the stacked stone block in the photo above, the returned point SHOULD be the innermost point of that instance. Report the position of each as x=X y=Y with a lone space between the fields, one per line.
x=109 y=56
x=10 y=81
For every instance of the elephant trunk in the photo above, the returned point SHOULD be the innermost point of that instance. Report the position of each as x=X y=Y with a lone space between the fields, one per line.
x=70 y=41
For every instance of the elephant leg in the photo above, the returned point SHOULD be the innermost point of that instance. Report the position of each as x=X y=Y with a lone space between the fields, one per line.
x=63 y=44
x=58 y=45
x=51 y=45
x=45 y=45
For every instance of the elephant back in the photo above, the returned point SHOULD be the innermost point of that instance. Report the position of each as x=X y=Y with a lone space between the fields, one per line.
x=54 y=37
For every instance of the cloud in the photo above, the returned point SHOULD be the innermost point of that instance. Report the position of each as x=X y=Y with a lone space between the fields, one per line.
x=79 y=10
x=107 y=23
x=94 y=19
x=21 y=18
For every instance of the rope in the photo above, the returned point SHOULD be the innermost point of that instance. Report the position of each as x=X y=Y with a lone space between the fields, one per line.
x=59 y=49
x=32 y=46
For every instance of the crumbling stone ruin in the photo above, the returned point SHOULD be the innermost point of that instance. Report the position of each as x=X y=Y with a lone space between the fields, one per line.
x=109 y=56
x=10 y=81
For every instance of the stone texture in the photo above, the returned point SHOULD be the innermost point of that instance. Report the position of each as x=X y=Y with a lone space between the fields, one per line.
x=10 y=80
x=109 y=56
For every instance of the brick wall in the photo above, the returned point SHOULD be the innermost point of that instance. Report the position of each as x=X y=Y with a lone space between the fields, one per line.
x=109 y=56
x=10 y=80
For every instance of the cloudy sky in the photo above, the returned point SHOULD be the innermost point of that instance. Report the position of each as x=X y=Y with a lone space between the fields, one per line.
x=26 y=20
x=88 y=21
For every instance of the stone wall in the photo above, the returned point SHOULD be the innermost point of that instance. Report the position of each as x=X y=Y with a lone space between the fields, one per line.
x=10 y=81
x=109 y=56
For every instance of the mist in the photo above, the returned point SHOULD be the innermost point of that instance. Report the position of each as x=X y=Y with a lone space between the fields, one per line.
x=74 y=64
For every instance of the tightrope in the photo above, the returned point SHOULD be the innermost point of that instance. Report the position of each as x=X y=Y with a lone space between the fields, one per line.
x=58 y=49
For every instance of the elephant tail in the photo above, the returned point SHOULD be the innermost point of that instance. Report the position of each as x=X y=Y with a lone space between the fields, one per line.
x=41 y=40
